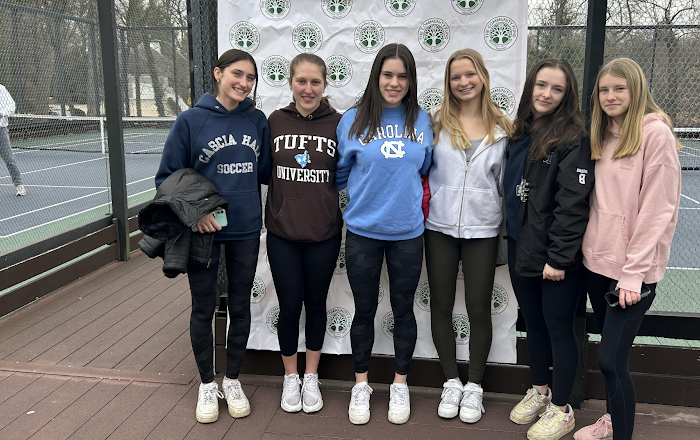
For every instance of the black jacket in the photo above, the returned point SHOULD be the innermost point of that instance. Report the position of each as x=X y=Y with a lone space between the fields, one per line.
x=552 y=220
x=182 y=200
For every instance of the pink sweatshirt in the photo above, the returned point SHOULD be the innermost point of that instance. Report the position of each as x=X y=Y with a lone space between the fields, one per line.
x=634 y=208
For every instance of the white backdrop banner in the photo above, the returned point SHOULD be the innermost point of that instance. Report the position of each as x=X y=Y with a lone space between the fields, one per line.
x=347 y=34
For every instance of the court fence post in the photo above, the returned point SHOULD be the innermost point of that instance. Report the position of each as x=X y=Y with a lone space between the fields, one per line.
x=115 y=131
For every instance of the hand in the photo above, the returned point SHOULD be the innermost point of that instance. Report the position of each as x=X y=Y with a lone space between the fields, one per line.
x=550 y=273
x=208 y=224
x=1 y=115
x=628 y=298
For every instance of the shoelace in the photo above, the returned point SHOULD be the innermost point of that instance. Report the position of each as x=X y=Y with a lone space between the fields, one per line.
x=531 y=394
x=604 y=426
x=362 y=394
x=451 y=395
x=211 y=394
x=398 y=395
x=472 y=399
x=550 y=414
x=234 y=389
x=292 y=385
x=310 y=385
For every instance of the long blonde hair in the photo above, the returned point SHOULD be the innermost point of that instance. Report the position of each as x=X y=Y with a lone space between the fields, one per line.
x=641 y=104
x=449 y=112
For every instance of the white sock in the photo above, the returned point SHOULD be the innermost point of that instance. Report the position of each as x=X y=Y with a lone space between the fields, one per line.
x=230 y=380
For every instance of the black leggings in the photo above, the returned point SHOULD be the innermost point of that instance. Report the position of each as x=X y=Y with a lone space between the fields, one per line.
x=478 y=255
x=619 y=327
x=302 y=273
x=404 y=260
x=241 y=260
x=549 y=308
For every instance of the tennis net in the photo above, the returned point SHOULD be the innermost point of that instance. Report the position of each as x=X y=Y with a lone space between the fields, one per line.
x=87 y=134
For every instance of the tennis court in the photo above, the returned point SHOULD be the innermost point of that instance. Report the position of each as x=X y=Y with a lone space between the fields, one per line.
x=66 y=173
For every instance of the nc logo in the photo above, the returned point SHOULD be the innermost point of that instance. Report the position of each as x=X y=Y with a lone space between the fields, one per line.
x=391 y=149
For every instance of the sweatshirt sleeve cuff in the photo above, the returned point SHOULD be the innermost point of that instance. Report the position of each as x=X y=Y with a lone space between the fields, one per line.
x=631 y=282
x=555 y=265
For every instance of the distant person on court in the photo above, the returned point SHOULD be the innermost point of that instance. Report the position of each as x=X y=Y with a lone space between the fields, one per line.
x=7 y=108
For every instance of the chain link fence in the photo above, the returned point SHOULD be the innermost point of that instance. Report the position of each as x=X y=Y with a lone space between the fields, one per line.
x=50 y=63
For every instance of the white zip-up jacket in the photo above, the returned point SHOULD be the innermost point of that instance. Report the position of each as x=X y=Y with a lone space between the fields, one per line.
x=7 y=106
x=465 y=198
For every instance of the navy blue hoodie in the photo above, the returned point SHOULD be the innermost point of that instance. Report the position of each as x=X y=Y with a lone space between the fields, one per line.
x=231 y=149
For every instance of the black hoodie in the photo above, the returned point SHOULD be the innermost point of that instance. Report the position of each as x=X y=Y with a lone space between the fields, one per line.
x=302 y=200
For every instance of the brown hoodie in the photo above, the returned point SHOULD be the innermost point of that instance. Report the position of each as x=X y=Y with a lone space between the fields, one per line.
x=302 y=200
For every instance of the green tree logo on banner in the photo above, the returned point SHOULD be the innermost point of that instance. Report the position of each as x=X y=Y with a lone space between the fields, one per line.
x=307 y=37
x=275 y=9
x=400 y=8
x=244 y=36
x=499 y=299
x=258 y=105
x=272 y=319
x=430 y=98
x=340 y=268
x=275 y=71
x=422 y=297
x=460 y=327
x=257 y=293
x=343 y=199
x=339 y=70
x=381 y=293
x=503 y=98
x=336 y=8
x=338 y=321
x=433 y=34
x=388 y=325
x=500 y=33
x=467 y=7
x=369 y=36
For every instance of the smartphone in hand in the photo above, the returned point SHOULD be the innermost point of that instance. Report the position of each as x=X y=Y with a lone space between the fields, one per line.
x=613 y=297
x=219 y=216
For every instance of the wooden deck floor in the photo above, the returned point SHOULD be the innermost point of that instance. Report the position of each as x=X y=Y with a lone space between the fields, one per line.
x=109 y=357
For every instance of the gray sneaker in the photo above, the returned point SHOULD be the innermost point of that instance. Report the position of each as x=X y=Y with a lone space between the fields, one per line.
x=310 y=394
x=291 y=393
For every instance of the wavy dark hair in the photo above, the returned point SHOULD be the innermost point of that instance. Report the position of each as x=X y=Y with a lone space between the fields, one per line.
x=369 y=107
x=233 y=56
x=562 y=126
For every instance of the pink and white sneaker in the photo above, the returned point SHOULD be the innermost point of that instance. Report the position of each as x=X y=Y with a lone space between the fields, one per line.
x=600 y=430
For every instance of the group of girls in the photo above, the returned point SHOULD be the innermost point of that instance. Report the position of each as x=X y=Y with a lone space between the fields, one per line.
x=536 y=174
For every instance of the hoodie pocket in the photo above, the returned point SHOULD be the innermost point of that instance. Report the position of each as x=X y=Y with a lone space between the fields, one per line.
x=445 y=205
x=606 y=236
x=480 y=208
x=304 y=218
x=243 y=213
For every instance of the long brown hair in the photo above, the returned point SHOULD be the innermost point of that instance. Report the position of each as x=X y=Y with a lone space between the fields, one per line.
x=641 y=103
x=449 y=111
x=562 y=126
x=313 y=59
x=369 y=108
x=232 y=56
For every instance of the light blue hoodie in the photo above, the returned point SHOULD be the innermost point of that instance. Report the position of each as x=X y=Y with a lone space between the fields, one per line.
x=383 y=176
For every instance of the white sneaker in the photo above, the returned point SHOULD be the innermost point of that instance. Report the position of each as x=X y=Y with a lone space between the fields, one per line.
x=471 y=407
x=291 y=393
x=21 y=190
x=358 y=411
x=450 y=398
x=238 y=405
x=310 y=394
x=208 y=402
x=399 y=404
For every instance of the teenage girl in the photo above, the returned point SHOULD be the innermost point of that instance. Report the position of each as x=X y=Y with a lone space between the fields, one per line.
x=384 y=144
x=463 y=223
x=228 y=120
x=303 y=223
x=634 y=209
x=549 y=177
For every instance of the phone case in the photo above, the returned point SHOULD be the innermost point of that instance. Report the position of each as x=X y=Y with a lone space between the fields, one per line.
x=219 y=216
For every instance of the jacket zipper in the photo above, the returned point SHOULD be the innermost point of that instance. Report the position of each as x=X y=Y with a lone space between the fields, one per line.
x=464 y=184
